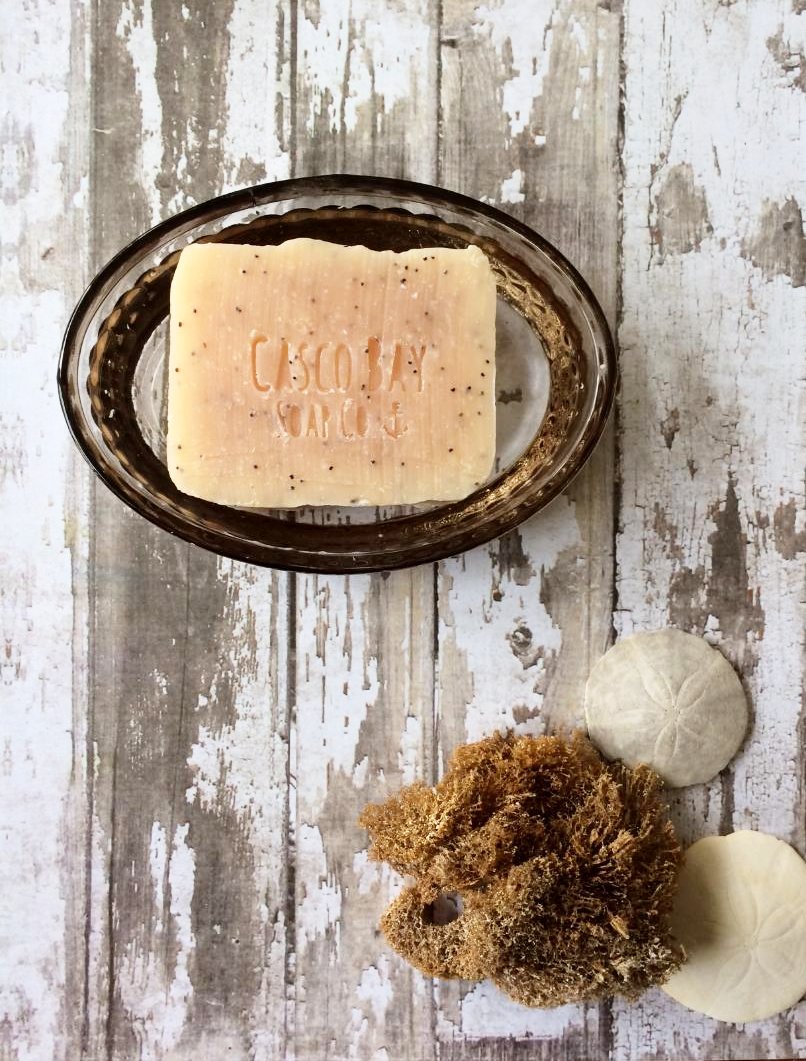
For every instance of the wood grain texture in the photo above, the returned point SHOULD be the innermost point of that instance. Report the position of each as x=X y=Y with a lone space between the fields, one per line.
x=530 y=116
x=364 y=649
x=712 y=425
x=206 y=733
x=190 y=678
x=43 y=529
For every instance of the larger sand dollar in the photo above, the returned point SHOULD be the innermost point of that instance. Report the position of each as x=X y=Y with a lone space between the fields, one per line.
x=740 y=914
x=670 y=700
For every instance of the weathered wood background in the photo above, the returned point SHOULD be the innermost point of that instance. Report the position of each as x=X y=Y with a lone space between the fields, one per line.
x=186 y=742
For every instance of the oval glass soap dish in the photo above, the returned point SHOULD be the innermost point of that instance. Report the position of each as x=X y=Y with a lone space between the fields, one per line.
x=555 y=373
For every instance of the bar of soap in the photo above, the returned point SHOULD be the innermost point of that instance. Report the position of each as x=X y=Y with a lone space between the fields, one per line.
x=311 y=373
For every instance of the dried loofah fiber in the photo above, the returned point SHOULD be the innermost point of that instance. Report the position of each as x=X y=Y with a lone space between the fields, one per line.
x=565 y=869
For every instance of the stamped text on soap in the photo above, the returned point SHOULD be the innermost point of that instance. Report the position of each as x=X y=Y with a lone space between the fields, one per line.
x=327 y=389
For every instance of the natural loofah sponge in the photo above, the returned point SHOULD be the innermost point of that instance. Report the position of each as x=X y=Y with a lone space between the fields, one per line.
x=564 y=867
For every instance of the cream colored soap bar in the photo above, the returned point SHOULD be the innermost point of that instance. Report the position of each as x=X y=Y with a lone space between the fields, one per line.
x=315 y=374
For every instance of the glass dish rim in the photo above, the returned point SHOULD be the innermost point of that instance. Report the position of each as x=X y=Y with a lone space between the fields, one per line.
x=454 y=540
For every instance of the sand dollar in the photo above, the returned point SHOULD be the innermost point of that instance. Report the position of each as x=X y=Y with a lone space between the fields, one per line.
x=740 y=914
x=670 y=700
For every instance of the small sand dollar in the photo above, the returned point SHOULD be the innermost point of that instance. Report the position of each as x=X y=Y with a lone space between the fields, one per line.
x=670 y=700
x=740 y=914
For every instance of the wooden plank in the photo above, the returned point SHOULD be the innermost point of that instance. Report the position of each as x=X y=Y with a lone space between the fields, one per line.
x=364 y=675
x=529 y=102
x=188 y=902
x=712 y=415
x=43 y=544
x=366 y=102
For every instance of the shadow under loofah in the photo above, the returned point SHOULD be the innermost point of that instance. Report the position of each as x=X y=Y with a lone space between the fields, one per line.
x=565 y=868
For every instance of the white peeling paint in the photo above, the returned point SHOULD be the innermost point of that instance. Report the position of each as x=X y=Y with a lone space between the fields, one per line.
x=241 y=768
x=257 y=85
x=488 y=1013
x=181 y=876
x=98 y=927
x=42 y=224
x=709 y=333
x=360 y=772
x=156 y=998
x=375 y=995
x=386 y=57
x=375 y=988
x=136 y=28
x=336 y=684
x=524 y=85
x=229 y=768
x=499 y=691
x=526 y=56
x=371 y=875
x=512 y=187
x=410 y=745
x=348 y=46
x=157 y=860
x=160 y=681
x=81 y=196
x=320 y=903
x=354 y=730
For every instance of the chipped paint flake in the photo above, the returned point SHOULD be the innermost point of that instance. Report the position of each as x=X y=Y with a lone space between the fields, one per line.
x=181 y=874
x=319 y=905
x=342 y=684
x=371 y=876
x=512 y=188
x=157 y=858
x=410 y=745
x=487 y=1013
x=527 y=67
x=375 y=988
x=519 y=633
